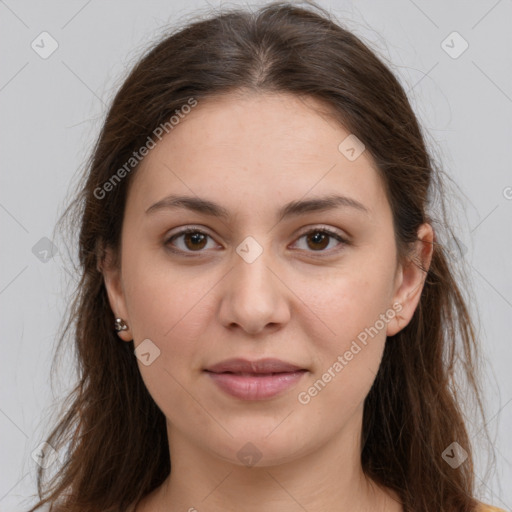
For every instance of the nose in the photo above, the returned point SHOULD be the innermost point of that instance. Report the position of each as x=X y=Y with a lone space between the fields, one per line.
x=254 y=297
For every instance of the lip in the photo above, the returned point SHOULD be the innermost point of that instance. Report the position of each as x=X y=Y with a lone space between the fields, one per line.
x=255 y=380
x=267 y=365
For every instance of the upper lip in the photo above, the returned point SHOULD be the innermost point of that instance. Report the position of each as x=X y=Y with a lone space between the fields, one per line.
x=240 y=365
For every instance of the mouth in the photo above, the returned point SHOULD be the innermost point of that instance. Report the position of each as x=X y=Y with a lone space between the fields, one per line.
x=254 y=374
x=255 y=380
x=266 y=366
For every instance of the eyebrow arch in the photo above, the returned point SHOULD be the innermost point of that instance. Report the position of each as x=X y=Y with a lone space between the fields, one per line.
x=292 y=209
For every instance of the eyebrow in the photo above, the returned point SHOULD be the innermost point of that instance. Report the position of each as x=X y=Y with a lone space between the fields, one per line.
x=292 y=209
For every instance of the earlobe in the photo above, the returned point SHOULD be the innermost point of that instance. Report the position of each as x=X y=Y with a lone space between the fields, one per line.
x=113 y=285
x=411 y=279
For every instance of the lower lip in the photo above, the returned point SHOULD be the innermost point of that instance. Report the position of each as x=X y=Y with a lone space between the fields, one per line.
x=252 y=387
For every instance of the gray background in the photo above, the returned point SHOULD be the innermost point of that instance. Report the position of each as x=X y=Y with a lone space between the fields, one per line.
x=52 y=109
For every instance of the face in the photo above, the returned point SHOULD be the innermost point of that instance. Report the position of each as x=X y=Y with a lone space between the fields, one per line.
x=317 y=288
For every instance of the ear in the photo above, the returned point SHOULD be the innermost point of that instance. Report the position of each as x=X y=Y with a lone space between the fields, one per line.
x=111 y=269
x=410 y=279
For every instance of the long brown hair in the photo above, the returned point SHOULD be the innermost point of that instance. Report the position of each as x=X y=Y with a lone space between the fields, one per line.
x=113 y=432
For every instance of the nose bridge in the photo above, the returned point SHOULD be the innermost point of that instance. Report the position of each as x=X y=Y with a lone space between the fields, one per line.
x=253 y=273
x=253 y=281
x=254 y=296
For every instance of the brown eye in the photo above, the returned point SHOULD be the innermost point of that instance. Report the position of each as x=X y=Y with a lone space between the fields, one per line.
x=318 y=240
x=192 y=240
x=195 y=241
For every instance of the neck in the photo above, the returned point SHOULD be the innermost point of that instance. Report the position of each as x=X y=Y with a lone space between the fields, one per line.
x=328 y=477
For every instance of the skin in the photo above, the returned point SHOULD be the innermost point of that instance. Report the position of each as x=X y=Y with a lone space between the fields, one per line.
x=301 y=301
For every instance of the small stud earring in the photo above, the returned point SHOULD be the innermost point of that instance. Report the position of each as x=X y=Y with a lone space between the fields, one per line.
x=120 y=325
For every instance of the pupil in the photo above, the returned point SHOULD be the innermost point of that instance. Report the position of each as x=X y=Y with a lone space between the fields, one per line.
x=195 y=237
x=320 y=237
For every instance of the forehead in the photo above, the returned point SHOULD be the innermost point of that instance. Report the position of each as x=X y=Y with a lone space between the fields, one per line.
x=265 y=127
x=260 y=146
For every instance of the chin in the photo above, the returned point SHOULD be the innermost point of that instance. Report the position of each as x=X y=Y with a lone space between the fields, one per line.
x=254 y=447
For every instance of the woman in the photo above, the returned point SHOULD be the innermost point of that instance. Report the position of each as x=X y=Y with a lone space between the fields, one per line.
x=267 y=318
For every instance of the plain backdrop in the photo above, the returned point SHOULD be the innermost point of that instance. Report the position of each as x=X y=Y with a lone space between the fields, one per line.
x=52 y=107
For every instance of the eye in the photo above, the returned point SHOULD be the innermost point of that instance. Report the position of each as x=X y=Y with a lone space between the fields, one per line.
x=195 y=240
x=318 y=239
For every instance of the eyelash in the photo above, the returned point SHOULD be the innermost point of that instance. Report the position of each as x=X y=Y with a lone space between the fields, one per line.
x=324 y=230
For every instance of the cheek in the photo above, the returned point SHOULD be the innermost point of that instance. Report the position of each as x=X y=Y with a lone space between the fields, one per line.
x=348 y=358
x=354 y=308
x=170 y=309
x=162 y=297
x=347 y=304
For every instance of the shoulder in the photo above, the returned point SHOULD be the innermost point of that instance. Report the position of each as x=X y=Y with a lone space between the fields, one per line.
x=488 y=508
